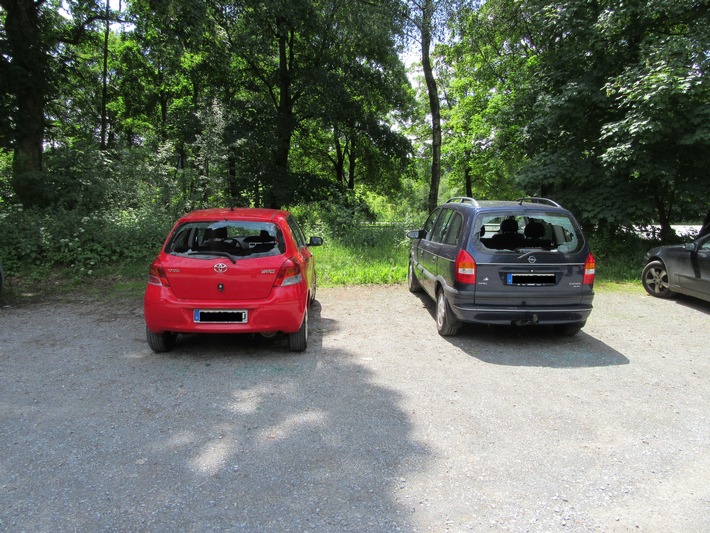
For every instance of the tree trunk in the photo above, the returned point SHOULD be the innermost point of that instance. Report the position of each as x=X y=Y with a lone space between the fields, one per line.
x=104 y=88
x=351 y=166
x=468 y=182
x=664 y=207
x=434 y=104
x=339 y=163
x=22 y=29
x=284 y=123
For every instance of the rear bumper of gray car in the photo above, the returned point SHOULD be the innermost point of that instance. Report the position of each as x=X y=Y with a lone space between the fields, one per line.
x=563 y=312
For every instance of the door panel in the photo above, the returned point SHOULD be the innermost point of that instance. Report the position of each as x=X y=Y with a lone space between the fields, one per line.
x=695 y=274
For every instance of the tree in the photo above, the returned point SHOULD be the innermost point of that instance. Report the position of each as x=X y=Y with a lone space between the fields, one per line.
x=478 y=73
x=34 y=32
x=27 y=26
x=659 y=138
x=308 y=65
x=606 y=104
x=429 y=18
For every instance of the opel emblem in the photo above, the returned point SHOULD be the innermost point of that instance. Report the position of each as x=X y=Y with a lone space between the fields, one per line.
x=531 y=259
x=220 y=268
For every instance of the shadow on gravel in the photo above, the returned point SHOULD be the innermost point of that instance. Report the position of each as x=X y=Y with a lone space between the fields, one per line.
x=530 y=346
x=228 y=433
x=692 y=303
x=541 y=347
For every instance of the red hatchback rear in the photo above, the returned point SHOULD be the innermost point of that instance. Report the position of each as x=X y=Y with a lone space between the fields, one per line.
x=231 y=271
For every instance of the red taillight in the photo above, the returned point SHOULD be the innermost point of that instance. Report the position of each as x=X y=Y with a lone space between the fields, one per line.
x=590 y=266
x=156 y=275
x=289 y=274
x=465 y=268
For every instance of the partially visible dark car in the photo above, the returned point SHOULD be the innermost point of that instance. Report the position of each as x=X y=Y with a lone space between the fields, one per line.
x=523 y=262
x=679 y=268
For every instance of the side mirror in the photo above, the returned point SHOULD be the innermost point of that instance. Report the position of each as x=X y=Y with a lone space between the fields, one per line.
x=691 y=246
x=416 y=234
x=315 y=241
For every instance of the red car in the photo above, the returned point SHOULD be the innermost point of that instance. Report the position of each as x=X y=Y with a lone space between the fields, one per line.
x=232 y=271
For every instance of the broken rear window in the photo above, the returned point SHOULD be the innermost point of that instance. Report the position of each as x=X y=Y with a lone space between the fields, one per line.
x=236 y=238
x=520 y=231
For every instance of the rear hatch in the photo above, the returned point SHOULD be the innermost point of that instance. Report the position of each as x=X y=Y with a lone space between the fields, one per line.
x=530 y=259
x=221 y=261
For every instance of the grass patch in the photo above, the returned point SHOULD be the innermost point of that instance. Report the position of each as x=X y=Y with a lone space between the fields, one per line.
x=370 y=262
x=623 y=287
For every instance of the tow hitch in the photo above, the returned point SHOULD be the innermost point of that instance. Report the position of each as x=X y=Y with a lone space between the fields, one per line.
x=529 y=320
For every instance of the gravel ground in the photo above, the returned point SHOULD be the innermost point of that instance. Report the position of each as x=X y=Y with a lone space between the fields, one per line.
x=381 y=425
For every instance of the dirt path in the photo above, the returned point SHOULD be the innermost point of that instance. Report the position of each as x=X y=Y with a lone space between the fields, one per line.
x=381 y=425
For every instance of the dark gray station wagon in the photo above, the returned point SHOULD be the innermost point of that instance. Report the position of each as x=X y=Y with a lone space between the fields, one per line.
x=525 y=262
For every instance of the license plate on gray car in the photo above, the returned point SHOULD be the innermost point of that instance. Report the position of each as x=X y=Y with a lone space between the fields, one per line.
x=220 y=316
x=531 y=279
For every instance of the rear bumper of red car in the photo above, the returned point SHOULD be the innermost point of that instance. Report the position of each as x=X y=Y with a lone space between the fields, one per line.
x=282 y=311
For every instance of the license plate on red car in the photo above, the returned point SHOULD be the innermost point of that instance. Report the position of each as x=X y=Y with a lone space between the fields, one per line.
x=220 y=316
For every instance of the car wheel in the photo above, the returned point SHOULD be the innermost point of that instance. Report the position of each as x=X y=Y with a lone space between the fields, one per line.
x=446 y=323
x=655 y=279
x=412 y=281
x=160 y=342
x=298 y=341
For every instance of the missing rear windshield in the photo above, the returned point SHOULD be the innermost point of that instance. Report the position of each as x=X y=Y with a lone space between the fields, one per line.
x=515 y=232
x=234 y=238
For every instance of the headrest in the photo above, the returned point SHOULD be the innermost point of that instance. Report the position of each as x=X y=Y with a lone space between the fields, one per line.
x=509 y=225
x=534 y=230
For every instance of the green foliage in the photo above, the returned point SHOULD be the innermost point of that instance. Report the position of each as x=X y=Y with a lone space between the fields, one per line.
x=620 y=257
x=36 y=241
x=602 y=106
x=35 y=244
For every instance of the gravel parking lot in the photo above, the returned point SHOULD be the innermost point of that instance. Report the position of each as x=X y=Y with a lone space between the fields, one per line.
x=381 y=425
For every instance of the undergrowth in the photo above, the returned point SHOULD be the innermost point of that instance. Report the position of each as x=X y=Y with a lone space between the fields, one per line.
x=108 y=251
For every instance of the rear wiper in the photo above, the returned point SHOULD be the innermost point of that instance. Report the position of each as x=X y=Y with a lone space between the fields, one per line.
x=536 y=251
x=210 y=252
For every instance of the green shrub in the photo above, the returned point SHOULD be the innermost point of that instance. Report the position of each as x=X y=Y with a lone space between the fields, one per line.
x=620 y=256
x=34 y=241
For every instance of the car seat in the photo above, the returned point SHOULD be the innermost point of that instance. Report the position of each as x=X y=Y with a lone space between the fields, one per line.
x=508 y=237
x=534 y=233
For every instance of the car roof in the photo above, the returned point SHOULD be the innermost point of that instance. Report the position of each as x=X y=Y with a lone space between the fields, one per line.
x=526 y=205
x=236 y=213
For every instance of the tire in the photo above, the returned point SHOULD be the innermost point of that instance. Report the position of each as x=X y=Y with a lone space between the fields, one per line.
x=160 y=342
x=297 y=342
x=412 y=281
x=655 y=280
x=446 y=324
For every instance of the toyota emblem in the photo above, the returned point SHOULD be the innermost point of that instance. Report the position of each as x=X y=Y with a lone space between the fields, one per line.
x=220 y=268
x=531 y=259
